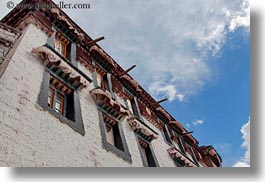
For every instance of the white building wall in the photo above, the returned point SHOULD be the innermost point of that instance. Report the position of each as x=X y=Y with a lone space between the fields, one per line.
x=31 y=136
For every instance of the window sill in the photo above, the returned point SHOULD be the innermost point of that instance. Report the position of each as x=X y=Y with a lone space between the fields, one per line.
x=121 y=154
x=74 y=125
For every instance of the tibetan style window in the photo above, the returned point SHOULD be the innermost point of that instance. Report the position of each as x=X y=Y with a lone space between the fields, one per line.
x=56 y=100
x=166 y=133
x=61 y=100
x=133 y=104
x=191 y=152
x=181 y=144
x=134 y=107
x=145 y=135
x=113 y=138
x=113 y=135
x=59 y=88
x=147 y=154
x=61 y=44
x=102 y=80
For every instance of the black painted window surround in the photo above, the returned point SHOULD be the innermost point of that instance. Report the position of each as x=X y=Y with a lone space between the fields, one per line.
x=147 y=152
x=72 y=116
x=119 y=145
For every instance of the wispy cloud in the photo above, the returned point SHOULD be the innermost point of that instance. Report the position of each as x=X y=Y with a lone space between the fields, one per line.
x=198 y=122
x=240 y=19
x=169 y=41
x=195 y=123
x=245 y=161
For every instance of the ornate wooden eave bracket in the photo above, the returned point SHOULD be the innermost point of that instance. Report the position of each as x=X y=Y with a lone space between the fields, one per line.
x=178 y=125
x=177 y=156
x=121 y=93
x=141 y=129
x=210 y=151
x=104 y=100
x=103 y=54
x=162 y=111
x=58 y=16
x=185 y=134
x=134 y=83
x=49 y=57
x=152 y=119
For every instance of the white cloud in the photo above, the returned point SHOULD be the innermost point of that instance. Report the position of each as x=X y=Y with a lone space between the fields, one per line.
x=198 y=122
x=195 y=123
x=245 y=161
x=241 y=19
x=159 y=88
x=169 y=41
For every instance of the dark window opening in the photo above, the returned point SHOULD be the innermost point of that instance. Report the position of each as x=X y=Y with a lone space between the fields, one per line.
x=105 y=83
x=113 y=136
x=69 y=52
x=193 y=156
x=61 y=99
x=166 y=135
x=147 y=155
x=70 y=112
x=179 y=163
x=180 y=144
x=134 y=108
x=102 y=80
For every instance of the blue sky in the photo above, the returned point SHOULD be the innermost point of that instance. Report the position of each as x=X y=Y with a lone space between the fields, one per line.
x=224 y=104
x=194 y=52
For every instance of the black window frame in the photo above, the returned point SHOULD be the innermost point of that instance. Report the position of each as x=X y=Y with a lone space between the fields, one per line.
x=107 y=80
x=193 y=156
x=165 y=132
x=70 y=48
x=135 y=110
x=150 y=150
x=56 y=92
x=180 y=143
x=76 y=121
x=166 y=135
x=124 y=154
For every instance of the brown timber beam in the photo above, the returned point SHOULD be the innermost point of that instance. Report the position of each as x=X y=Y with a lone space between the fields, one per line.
x=123 y=73
x=92 y=42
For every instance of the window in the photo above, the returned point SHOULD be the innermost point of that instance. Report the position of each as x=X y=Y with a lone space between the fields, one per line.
x=61 y=100
x=56 y=100
x=105 y=83
x=134 y=107
x=102 y=81
x=180 y=144
x=58 y=94
x=61 y=44
x=166 y=135
x=113 y=138
x=148 y=158
x=191 y=151
x=179 y=163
